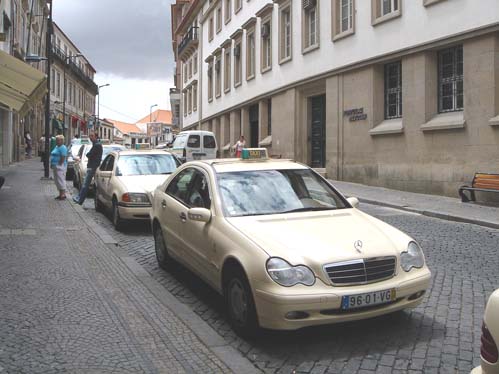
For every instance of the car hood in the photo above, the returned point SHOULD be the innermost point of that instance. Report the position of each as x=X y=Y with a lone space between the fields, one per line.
x=319 y=238
x=142 y=183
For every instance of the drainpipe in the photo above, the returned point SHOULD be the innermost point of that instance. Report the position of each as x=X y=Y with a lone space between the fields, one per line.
x=200 y=73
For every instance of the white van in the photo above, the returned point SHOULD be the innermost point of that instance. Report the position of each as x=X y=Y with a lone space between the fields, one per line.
x=195 y=145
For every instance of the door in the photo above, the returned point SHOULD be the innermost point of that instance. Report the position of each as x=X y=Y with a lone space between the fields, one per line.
x=106 y=188
x=174 y=212
x=193 y=148
x=253 y=120
x=318 y=131
x=209 y=147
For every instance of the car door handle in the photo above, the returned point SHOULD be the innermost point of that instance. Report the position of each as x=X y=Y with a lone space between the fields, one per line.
x=163 y=204
x=183 y=217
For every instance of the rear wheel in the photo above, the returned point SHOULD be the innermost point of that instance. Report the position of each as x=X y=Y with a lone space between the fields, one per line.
x=117 y=221
x=75 y=181
x=162 y=256
x=240 y=304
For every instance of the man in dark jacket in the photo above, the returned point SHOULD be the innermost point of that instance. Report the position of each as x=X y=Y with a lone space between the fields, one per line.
x=94 y=157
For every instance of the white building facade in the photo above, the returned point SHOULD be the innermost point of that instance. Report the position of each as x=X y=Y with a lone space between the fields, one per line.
x=397 y=93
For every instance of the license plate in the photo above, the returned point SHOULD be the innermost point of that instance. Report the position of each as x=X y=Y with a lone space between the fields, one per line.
x=367 y=299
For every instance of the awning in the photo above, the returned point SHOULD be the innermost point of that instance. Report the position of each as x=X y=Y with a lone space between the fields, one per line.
x=21 y=85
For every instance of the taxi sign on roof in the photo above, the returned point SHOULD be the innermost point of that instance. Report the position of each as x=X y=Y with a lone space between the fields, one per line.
x=142 y=146
x=254 y=154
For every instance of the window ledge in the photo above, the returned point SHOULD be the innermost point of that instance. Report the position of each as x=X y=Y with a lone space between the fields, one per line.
x=237 y=84
x=387 y=127
x=284 y=60
x=310 y=48
x=343 y=34
x=445 y=121
x=267 y=142
x=269 y=68
x=431 y=2
x=494 y=121
x=387 y=17
x=248 y=78
x=227 y=90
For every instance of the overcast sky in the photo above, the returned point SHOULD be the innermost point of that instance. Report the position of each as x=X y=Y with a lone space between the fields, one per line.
x=129 y=44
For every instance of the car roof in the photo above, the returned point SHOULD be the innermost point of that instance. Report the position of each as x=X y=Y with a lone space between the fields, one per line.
x=143 y=152
x=233 y=164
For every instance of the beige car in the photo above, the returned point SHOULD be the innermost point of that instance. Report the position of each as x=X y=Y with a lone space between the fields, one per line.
x=126 y=180
x=283 y=246
x=489 y=352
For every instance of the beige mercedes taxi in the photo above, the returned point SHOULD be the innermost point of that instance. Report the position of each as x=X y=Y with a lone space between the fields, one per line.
x=489 y=350
x=126 y=180
x=282 y=245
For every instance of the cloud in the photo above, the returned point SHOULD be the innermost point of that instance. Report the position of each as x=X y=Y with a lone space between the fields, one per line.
x=130 y=39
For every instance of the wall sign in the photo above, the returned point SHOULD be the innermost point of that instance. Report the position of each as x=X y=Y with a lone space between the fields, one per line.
x=356 y=114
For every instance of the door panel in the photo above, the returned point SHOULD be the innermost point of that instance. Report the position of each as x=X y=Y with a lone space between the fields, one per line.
x=318 y=131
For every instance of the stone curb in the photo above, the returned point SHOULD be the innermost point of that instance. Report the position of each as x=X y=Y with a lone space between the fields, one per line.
x=209 y=337
x=433 y=214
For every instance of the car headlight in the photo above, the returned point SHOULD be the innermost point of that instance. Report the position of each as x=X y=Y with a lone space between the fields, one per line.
x=412 y=258
x=285 y=274
x=135 y=198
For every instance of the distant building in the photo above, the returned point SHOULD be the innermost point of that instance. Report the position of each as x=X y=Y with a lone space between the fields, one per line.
x=106 y=130
x=158 y=126
x=127 y=134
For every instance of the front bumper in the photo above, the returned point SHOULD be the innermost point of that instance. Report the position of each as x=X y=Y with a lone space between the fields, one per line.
x=136 y=212
x=325 y=307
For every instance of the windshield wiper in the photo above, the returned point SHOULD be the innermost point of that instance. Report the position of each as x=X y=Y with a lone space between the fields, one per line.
x=309 y=209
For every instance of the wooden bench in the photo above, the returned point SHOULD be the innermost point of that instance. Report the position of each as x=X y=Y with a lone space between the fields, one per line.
x=481 y=182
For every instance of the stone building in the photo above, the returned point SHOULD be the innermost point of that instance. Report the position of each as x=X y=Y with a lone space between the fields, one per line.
x=395 y=93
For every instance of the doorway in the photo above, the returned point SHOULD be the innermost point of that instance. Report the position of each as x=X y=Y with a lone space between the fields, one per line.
x=318 y=131
x=253 y=121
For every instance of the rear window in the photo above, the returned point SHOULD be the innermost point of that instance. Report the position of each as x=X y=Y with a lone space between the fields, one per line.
x=194 y=141
x=209 y=141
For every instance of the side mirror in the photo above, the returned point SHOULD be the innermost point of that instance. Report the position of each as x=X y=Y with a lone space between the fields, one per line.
x=199 y=214
x=353 y=202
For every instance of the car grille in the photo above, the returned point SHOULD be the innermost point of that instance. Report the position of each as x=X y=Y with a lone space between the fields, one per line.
x=361 y=271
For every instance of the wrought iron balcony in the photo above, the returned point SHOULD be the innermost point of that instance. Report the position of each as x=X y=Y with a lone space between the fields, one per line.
x=190 y=40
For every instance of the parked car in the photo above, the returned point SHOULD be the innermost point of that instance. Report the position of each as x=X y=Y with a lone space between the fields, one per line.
x=195 y=145
x=489 y=350
x=80 y=165
x=125 y=182
x=282 y=245
x=73 y=149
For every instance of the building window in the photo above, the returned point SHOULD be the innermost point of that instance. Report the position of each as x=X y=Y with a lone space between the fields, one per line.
x=185 y=72
x=343 y=18
x=52 y=81
x=210 y=80
x=238 y=66
x=227 y=68
x=228 y=10
x=266 y=45
x=190 y=68
x=219 y=18
x=210 y=29
x=393 y=90
x=189 y=100
x=58 y=84
x=238 y=6
x=250 y=54
x=218 y=76
x=195 y=97
x=185 y=103
x=383 y=10
x=285 y=32
x=195 y=63
x=450 y=79
x=311 y=24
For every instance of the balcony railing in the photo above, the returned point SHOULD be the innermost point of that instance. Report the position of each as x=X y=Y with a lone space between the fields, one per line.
x=75 y=69
x=190 y=36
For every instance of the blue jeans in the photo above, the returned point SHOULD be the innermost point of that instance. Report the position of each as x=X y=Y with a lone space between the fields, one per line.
x=86 y=184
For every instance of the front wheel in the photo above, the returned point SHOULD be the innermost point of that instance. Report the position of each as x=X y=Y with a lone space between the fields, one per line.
x=161 y=249
x=117 y=221
x=240 y=305
x=97 y=204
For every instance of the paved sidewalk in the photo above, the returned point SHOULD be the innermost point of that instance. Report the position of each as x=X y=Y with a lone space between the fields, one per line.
x=431 y=205
x=71 y=302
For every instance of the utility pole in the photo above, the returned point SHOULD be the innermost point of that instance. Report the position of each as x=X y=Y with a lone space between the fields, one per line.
x=48 y=46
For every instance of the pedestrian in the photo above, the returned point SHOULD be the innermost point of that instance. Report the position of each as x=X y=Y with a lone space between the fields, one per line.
x=41 y=147
x=28 y=142
x=94 y=157
x=58 y=163
x=240 y=144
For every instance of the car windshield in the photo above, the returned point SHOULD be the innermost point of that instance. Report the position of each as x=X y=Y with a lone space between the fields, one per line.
x=260 y=192
x=146 y=164
x=106 y=150
x=180 y=141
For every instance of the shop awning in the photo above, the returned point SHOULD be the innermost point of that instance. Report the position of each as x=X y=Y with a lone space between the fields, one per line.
x=21 y=85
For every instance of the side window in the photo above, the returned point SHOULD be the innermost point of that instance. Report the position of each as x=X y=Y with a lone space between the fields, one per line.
x=199 y=196
x=194 y=141
x=103 y=165
x=110 y=163
x=209 y=141
x=179 y=187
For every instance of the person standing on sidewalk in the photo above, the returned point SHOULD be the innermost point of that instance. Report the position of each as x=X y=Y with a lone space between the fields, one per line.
x=94 y=157
x=58 y=163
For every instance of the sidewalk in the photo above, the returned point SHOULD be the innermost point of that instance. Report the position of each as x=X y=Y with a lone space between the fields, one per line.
x=72 y=301
x=430 y=205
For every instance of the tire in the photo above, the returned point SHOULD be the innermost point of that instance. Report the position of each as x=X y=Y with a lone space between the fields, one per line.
x=162 y=256
x=97 y=204
x=117 y=221
x=75 y=181
x=240 y=305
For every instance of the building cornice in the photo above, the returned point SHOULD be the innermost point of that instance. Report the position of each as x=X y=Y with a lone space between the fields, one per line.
x=226 y=43
x=209 y=10
x=265 y=10
x=249 y=23
x=236 y=34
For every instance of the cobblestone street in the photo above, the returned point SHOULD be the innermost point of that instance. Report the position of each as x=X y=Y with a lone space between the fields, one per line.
x=441 y=336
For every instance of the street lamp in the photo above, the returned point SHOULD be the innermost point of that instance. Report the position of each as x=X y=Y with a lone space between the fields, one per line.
x=66 y=61
x=98 y=103
x=150 y=120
